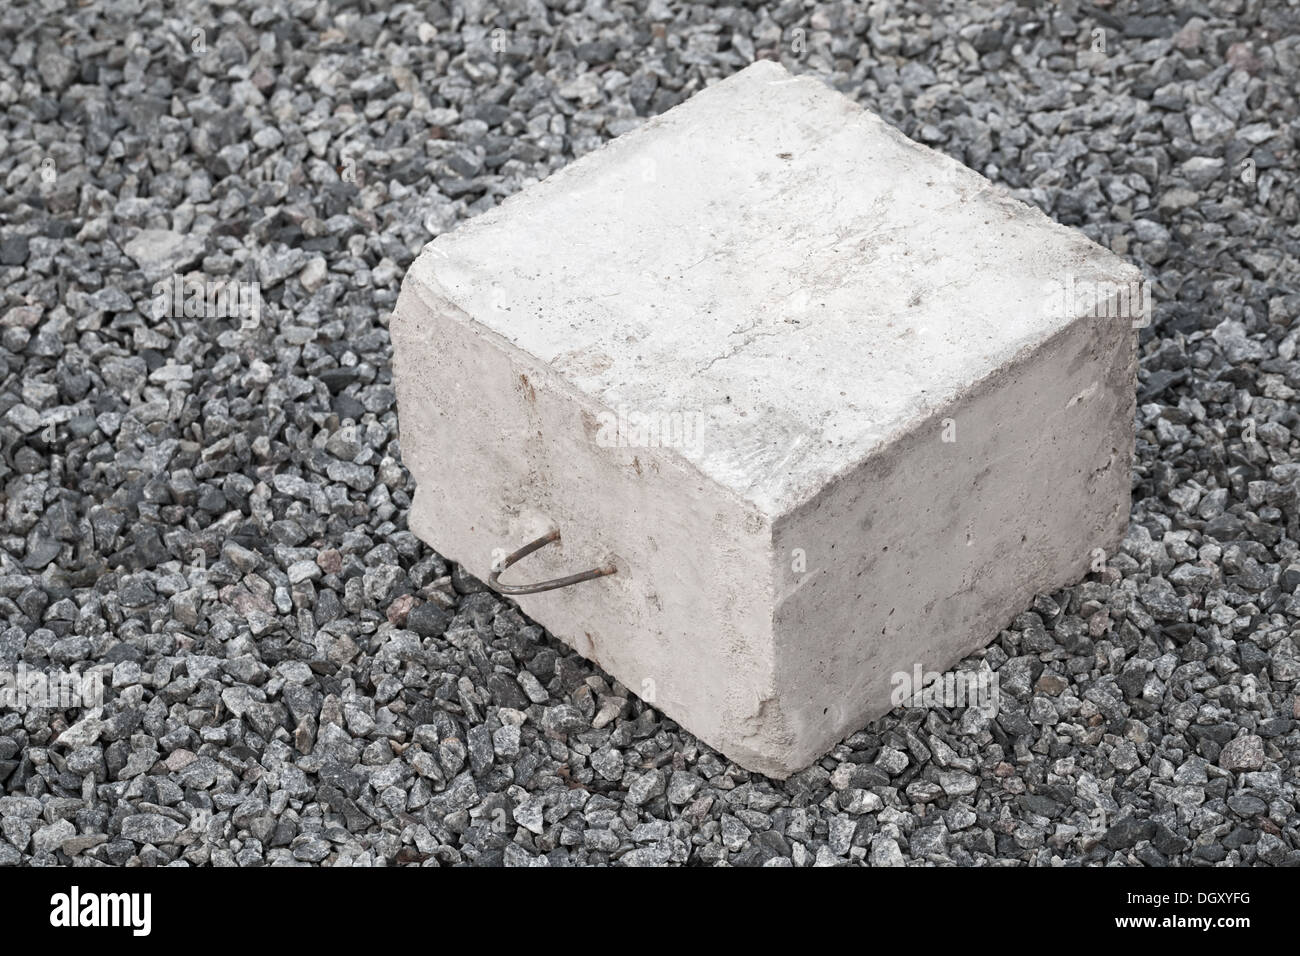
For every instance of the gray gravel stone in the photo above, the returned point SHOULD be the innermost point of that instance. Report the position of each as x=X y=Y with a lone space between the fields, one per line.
x=1242 y=753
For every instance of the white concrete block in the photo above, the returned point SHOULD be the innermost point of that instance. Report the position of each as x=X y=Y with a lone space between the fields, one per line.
x=833 y=405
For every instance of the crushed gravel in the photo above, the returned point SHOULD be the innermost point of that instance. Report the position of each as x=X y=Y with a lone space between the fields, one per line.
x=208 y=510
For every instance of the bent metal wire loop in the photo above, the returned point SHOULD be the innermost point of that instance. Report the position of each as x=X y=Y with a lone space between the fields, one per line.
x=495 y=577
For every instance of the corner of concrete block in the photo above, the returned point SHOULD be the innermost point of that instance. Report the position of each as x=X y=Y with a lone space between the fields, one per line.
x=768 y=742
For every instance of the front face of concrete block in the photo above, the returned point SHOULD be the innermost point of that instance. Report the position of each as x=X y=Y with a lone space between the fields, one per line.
x=504 y=451
x=729 y=335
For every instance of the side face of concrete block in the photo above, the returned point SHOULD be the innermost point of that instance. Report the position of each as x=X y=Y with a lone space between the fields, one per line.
x=926 y=551
x=503 y=450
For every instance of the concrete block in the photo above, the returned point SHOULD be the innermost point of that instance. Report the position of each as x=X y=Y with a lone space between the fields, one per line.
x=834 y=406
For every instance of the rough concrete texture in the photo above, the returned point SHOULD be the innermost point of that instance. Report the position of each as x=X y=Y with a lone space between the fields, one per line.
x=827 y=303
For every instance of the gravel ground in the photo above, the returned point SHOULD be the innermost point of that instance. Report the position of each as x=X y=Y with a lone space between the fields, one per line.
x=210 y=512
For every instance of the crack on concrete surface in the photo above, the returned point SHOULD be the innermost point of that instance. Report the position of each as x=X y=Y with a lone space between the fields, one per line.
x=750 y=339
x=1100 y=471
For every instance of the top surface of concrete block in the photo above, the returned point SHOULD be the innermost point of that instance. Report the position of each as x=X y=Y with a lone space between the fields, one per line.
x=778 y=260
